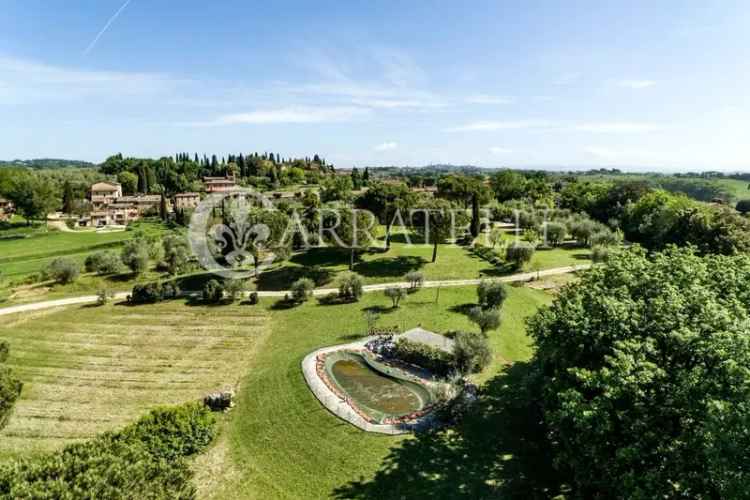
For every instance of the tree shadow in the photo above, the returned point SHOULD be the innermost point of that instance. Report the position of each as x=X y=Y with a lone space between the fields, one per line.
x=502 y=270
x=463 y=308
x=282 y=277
x=322 y=256
x=390 y=266
x=582 y=256
x=380 y=309
x=497 y=451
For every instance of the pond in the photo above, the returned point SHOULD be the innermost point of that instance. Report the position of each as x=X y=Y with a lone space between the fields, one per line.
x=371 y=389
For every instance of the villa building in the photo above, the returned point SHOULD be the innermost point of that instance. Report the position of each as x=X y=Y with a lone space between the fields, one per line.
x=219 y=184
x=104 y=193
x=186 y=201
x=6 y=208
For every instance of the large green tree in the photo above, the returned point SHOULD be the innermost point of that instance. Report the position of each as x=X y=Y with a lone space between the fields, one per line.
x=642 y=373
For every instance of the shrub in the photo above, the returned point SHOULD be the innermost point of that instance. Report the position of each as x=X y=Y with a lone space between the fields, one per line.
x=603 y=237
x=146 y=293
x=252 y=298
x=213 y=292
x=435 y=360
x=351 y=287
x=107 y=262
x=415 y=279
x=743 y=206
x=485 y=319
x=599 y=254
x=63 y=270
x=491 y=294
x=103 y=296
x=472 y=352
x=144 y=460
x=4 y=351
x=519 y=253
x=395 y=293
x=234 y=288
x=135 y=255
x=302 y=290
x=556 y=233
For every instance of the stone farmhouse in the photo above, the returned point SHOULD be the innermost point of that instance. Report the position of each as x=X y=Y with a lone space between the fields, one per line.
x=6 y=209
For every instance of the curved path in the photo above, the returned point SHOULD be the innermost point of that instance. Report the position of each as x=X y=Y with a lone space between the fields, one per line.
x=90 y=299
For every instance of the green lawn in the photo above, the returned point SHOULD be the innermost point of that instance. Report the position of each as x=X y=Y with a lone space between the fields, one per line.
x=379 y=266
x=281 y=443
x=32 y=252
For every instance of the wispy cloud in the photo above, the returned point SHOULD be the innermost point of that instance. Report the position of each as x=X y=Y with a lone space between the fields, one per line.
x=488 y=99
x=105 y=28
x=636 y=84
x=386 y=146
x=501 y=125
x=500 y=151
x=26 y=81
x=294 y=115
x=618 y=127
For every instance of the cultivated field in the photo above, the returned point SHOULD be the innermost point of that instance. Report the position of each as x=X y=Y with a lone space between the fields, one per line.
x=90 y=369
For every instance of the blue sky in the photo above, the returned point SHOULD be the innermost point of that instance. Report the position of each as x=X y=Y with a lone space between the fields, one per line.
x=649 y=85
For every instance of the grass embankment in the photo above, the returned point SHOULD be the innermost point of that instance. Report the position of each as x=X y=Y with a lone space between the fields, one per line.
x=90 y=369
x=32 y=250
x=284 y=444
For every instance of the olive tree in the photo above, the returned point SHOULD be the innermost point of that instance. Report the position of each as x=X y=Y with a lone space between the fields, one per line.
x=395 y=293
x=485 y=319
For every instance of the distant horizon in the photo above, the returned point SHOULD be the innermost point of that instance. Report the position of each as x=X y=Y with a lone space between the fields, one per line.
x=632 y=169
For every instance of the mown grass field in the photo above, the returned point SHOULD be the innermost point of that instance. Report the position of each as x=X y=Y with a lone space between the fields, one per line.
x=35 y=249
x=380 y=266
x=281 y=443
x=90 y=369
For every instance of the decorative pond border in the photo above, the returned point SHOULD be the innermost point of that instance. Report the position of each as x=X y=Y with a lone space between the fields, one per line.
x=337 y=402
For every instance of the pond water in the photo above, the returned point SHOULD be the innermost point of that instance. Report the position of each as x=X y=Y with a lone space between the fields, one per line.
x=376 y=391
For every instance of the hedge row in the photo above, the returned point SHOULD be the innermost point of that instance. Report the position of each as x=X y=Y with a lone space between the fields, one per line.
x=144 y=460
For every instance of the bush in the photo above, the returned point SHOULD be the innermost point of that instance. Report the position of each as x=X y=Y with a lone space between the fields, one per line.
x=603 y=237
x=491 y=294
x=415 y=279
x=144 y=460
x=743 y=206
x=599 y=254
x=252 y=298
x=435 y=360
x=519 y=253
x=107 y=262
x=351 y=287
x=4 y=351
x=302 y=290
x=234 y=288
x=213 y=292
x=472 y=352
x=556 y=233
x=135 y=255
x=63 y=270
x=103 y=296
x=395 y=293
x=485 y=319
x=146 y=293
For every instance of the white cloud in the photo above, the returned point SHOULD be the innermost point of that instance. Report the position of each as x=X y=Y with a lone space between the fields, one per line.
x=287 y=116
x=488 y=99
x=500 y=151
x=386 y=146
x=636 y=84
x=617 y=127
x=501 y=125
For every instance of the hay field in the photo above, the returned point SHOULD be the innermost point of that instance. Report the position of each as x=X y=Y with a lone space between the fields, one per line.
x=90 y=369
